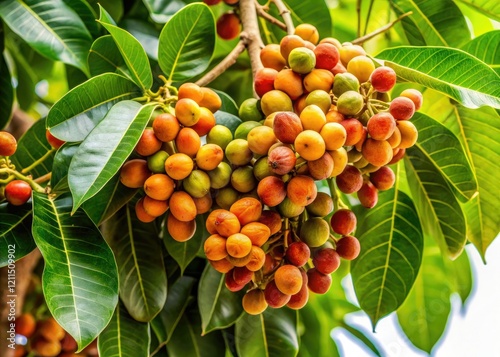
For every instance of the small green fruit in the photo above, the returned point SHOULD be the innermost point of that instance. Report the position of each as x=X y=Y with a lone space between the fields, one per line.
x=350 y=103
x=344 y=82
x=250 y=110
x=302 y=60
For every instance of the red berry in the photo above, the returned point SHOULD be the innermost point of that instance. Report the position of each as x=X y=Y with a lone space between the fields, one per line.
x=17 y=192
x=348 y=247
x=52 y=140
x=8 y=144
x=228 y=26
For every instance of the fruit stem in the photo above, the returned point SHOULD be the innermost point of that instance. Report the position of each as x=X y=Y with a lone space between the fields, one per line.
x=262 y=11
x=16 y=174
x=285 y=14
x=38 y=162
x=337 y=201
x=382 y=29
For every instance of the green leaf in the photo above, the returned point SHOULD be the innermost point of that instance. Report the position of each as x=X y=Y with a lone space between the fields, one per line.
x=60 y=166
x=6 y=93
x=178 y=299
x=450 y=71
x=424 y=314
x=104 y=56
x=228 y=103
x=187 y=339
x=43 y=24
x=485 y=47
x=219 y=307
x=86 y=13
x=184 y=252
x=133 y=54
x=362 y=337
x=143 y=281
x=226 y=119
x=113 y=7
x=410 y=27
x=430 y=24
x=272 y=333
x=113 y=196
x=440 y=212
x=106 y=148
x=391 y=252
x=446 y=153
x=487 y=7
x=80 y=279
x=74 y=116
x=124 y=336
x=15 y=232
x=26 y=78
x=145 y=33
x=460 y=269
x=31 y=147
x=187 y=42
x=162 y=10
x=480 y=129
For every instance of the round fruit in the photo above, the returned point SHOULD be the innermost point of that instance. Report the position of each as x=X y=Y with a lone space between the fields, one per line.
x=301 y=60
x=238 y=152
x=348 y=247
x=350 y=103
x=274 y=297
x=315 y=232
x=310 y=145
x=264 y=80
x=148 y=143
x=362 y=67
x=307 y=32
x=166 y=126
x=288 y=279
x=402 y=108
x=215 y=247
x=318 y=282
x=271 y=191
x=159 y=187
x=209 y=157
x=298 y=253
x=383 y=79
x=238 y=245
x=249 y=110
x=156 y=162
x=368 y=195
x=178 y=166
x=180 y=231
x=271 y=57
x=381 y=126
x=326 y=260
x=220 y=135
x=414 y=95
x=275 y=101
x=327 y=56
x=254 y=302
x=228 y=26
x=52 y=140
x=350 y=180
x=281 y=160
x=197 y=184
x=383 y=179
x=8 y=144
x=286 y=126
x=17 y=192
x=134 y=173
x=343 y=221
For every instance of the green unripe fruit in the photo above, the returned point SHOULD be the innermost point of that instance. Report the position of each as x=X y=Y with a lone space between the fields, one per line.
x=243 y=179
x=197 y=184
x=226 y=196
x=156 y=162
x=238 y=153
x=320 y=98
x=276 y=101
x=315 y=232
x=220 y=176
x=288 y=209
x=262 y=169
x=345 y=82
x=321 y=206
x=220 y=135
x=244 y=128
x=250 y=110
x=350 y=103
x=302 y=60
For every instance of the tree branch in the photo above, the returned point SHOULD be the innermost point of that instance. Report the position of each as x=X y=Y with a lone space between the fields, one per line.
x=261 y=11
x=367 y=37
x=285 y=14
x=251 y=28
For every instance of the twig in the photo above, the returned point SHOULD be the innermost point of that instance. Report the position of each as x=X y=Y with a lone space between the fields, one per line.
x=358 y=12
x=362 y=39
x=285 y=14
x=251 y=28
x=227 y=62
x=261 y=11
x=368 y=16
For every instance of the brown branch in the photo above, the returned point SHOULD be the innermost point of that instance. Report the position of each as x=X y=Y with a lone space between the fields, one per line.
x=227 y=62
x=261 y=11
x=285 y=14
x=251 y=28
x=367 y=37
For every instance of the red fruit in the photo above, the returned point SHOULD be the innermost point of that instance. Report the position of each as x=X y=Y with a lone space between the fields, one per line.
x=348 y=247
x=298 y=253
x=242 y=275
x=327 y=56
x=402 y=108
x=274 y=297
x=17 y=192
x=343 y=221
x=368 y=195
x=414 y=95
x=383 y=179
x=228 y=26
x=281 y=160
x=211 y=2
x=326 y=260
x=381 y=126
x=354 y=131
x=264 y=80
x=52 y=140
x=383 y=79
x=8 y=144
x=350 y=180
x=318 y=282
x=232 y=285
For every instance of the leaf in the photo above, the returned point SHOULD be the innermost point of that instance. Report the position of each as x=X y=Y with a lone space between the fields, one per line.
x=440 y=212
x=460 y=269
x=424 y=314
x=145 y=33
x=162 y=10
x=133 y=54
x=26 y=78
x=60 y=166
x=74 y=116
x=229 y=120
x=228 y=103
x=184 y=252
x=143 y=282
x=430 y=24
x=363 y=338
x=86 y=13
x=178 y=299
x=6 y=93
x=410 y=27
x=272 y=333
x=31 y=147
x=113 y=196
x=485 y=47
x=450 y=71
x=43 y=24
x=106 y=148
x=487 y=7
x=391 y=252
x=104 y=56
x=124 y=336
x=15 y=232
x=187 y=42
x=80 y=279
x=219 y=307
x=446 y=153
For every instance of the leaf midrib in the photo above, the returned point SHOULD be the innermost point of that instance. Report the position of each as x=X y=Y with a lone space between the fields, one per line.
x=12 y=227
x=428 y=22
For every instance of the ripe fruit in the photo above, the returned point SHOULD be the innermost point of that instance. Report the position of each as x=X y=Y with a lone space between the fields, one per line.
x=188 y=142
x=301 y=190
x=247 y=209
x=210 y=100
x=154 y=207
x=228 y=26
x=264 y=80
x=281 y=160
x=350 y=180
x=51 y=139
x=271 y=191
x=25 y=324
x=326 y=260
x=343 y=221
x=286 y=126
x=134 y=173
x=318 y=282
x=381 y=126
x=310 y=145
x=288 y=279
x=254 y=302
x=141 y=213
x=159 y=187
x=17 y=192
x=205 y=123
x=327 y=56
x=415 y=96
x=298 y=253
x=178 y=166
x=402 y=108
x=383 y=79
x=307 y=32
x=274 y=297
x=383 y=179
x=377 y=152
x=148 y=143
x=50 y=330
x=166 y=127
x=182 y=206
x=348 y=247
x=180 y=231
x=190 y=90
x=289 y=82
x=8 y=144
x=275 y=101
x=362 y=67
x=368 y=195
x=288 y=43
x=260 y=139
x=271 y=57
x=215 y=247
x=209 y=157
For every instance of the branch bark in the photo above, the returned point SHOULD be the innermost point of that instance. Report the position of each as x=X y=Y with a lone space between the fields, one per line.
x=251 y=28
x=285 y=14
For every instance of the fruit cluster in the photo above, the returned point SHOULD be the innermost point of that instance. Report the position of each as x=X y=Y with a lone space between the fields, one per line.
x=46 y=338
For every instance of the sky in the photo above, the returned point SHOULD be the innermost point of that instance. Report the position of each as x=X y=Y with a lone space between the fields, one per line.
x=474 y=331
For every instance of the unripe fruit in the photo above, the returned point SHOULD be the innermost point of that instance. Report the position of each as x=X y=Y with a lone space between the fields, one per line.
x=275 y=101
x=315 y=232
x=318 y=282
x=307 y=32
x=17 y=192
x=402 y=108
x=350 y=103
x=286 y=126
x=243 y=180
x=182 y=206
x=343 y=221
x=156 y=162
x=52 y=140
x=321 y=98
x=298 y=253
x=327 y=56
x=321 y=206
x=166 y=127
x=254 y=302
x=345 y=82
x=8 y=144
x=148 y=143
x=350 y=180
x=301 y=60
x=415 y=96
x=288 y=279
x=220 y=176
x=159 y=186
x=282 y=160
x=220 y=135
x=226 y=196
x=264 y=80
x=326 y=260
x=383 y=79
x=348 y=247
x=134 y=173
x=197 y=184
x=249 y=110
x=244 y=128
x=288 y=209
x=228 y=26
x=238 y=153
x=274 y=297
